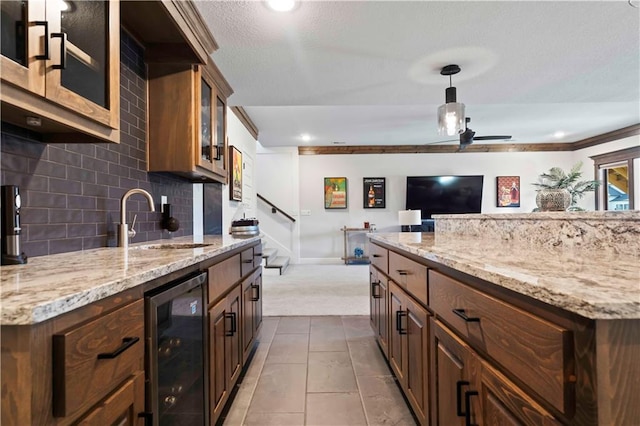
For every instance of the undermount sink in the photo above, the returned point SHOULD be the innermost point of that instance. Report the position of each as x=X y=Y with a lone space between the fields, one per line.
x=170 y=246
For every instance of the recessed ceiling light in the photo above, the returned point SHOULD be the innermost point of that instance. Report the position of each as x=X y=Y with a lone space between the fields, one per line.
x=305 y=137
x=559 y=134
x=281 y=5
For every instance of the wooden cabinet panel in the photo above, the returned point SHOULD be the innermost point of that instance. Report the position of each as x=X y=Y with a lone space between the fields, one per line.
x=121 y=407
x=251 y=311
x=379 y=301
x=90 y=360
x=503 y=403
x=225 y=350
x=222 y=276
x=454 y=369
x=257 y=255
x=514 y=338
x=71 y=85
x=409 y=349
x=410 y=275
x=379 y=257
x=417 y=377
x=187 y=121
x=246 y=260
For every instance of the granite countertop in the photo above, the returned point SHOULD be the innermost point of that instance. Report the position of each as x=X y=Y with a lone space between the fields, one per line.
x=48 y=286
x=594 y=284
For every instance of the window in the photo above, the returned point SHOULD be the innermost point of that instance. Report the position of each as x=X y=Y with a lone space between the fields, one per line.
x=616 y=172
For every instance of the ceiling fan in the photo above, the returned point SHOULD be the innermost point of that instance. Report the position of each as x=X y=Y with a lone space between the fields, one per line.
x=451 y=117
x=468 y=136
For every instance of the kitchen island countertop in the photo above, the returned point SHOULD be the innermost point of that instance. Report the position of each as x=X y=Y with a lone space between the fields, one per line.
x=592 y=283
x=48 y=286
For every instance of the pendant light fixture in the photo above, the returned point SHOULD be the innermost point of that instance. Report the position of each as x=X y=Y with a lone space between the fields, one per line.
x=451 y=114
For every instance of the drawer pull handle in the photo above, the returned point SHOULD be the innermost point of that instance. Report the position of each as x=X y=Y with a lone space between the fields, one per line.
x=377 y=255
x=402 y=272
x=375 y=285
x=462 y=314
x=467 y=402
x=256 y=296
x=459 y=385
x=248 y=261
x=234 y=325
x=63 y=51
x=127 y=342
x=45 y=24
x=399 y=315
x=257 y=254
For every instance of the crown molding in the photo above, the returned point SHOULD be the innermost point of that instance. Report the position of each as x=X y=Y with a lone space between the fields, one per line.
x=246 y=120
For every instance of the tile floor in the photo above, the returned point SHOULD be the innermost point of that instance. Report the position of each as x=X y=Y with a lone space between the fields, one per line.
x=324 y=370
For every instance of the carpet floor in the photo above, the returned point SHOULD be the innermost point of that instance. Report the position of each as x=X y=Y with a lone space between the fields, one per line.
x=311 y=290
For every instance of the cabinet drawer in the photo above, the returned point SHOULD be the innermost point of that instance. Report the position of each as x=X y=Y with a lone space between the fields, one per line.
x=410 y=275
x=512 y=337
x=246 y=258
x=91 y=360
x=222 y=276
x=257 y=255
x=379 y=257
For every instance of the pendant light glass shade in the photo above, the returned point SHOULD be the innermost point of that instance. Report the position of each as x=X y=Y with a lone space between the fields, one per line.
x=451 y=119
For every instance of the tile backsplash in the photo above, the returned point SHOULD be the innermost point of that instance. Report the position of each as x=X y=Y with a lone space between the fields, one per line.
x=71 y=192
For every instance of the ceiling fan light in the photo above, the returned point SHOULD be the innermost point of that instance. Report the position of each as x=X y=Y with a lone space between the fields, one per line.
x=451 y=119
x=281 y=5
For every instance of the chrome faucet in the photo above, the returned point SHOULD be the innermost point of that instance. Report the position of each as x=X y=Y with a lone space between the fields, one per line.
x=123 y=228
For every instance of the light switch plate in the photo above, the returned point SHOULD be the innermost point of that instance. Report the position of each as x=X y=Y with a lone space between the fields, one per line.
x=305 y=212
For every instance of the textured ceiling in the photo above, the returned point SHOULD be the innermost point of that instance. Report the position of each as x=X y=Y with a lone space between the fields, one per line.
x=367 y=72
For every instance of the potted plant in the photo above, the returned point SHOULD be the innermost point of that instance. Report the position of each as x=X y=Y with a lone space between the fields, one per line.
x=559 y=191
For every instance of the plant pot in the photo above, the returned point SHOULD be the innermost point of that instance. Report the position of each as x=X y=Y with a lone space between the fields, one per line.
x=553 y=200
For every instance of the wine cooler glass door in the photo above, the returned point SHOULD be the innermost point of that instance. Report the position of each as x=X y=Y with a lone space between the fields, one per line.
x=176 y=364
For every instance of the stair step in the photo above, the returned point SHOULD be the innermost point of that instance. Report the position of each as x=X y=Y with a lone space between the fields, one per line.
x=269 y=254
x=280 y=262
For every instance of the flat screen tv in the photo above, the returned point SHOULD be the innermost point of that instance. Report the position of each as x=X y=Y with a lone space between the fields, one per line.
x=444 y=194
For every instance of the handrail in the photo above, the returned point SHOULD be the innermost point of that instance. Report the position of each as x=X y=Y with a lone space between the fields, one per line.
x=275 y=208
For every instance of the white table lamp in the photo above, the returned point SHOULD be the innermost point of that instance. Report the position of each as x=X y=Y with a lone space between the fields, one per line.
x=409 y=218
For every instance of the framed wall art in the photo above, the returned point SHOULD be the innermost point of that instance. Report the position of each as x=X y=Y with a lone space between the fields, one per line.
x=373 y=189
x=335 y=193
x=508 y=191
x=235 y=171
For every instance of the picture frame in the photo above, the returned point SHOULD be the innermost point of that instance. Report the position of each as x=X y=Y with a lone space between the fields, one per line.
x=235 y=174
x=373 y=191
x=335 y=193
x=508 y=191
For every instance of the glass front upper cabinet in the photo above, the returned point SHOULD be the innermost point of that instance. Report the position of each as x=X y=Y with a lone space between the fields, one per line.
x=67 y=51
x=213 y=119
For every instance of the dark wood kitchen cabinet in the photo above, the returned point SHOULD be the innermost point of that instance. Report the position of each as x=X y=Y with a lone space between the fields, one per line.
x=409 y=348
x=62 y=66
x=225 y=350
x=85 y=366
x=187 y=121
x=234 y=319
x=379 y=307
x=500 y=357
x=252 y=311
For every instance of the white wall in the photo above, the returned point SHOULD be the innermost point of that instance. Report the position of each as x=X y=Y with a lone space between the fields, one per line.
x=320 y=240
x=240 y=138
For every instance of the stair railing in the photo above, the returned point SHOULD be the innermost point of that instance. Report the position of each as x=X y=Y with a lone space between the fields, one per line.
x=276 y=209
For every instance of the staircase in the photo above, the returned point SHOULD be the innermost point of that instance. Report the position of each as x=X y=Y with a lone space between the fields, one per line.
x=272 y=260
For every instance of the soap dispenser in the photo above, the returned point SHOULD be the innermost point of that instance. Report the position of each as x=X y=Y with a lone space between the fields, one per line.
x=11 y=203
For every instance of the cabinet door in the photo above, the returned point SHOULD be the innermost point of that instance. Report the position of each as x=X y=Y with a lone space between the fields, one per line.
x=83 y=72
x=24 y=44
x=416 y=323
x=218 y=342
x=503 y=403
x=397 y=332
x=379 y=310
x=212 y=152
x=452 y=380
x=234 y=355
x=121 y=407
x=248 y=315
x=257 y=302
